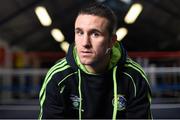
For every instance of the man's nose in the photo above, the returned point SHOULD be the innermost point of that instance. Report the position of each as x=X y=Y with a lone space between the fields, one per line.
x=86 y=41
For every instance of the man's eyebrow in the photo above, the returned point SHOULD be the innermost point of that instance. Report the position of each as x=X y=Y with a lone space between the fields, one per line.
x=78 y=28
x=96 y=30
x=91 y=30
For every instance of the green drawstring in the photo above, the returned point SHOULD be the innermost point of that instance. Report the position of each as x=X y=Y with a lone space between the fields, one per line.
x=115 y=93
x=80 y=95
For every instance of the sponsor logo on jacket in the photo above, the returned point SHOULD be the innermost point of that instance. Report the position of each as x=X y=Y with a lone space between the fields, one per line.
x=75 y=101
x=121 y=102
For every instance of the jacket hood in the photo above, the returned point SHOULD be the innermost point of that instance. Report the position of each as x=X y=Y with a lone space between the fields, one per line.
x=118 y=57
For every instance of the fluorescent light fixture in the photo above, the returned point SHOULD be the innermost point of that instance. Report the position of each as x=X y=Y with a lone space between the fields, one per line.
x=121 y=33
x=126 y=1
x=100 y=0
x=43 y=16
x=64 y=46
x=133 y=13
x=57 y=34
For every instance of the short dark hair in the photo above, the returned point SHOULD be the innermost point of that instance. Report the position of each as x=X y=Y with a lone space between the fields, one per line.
x=101 y=10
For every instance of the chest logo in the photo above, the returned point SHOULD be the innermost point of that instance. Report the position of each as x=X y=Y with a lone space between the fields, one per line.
x=121 y=102
x=75 y=101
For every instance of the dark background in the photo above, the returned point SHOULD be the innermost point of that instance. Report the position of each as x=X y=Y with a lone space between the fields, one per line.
x=156 y=29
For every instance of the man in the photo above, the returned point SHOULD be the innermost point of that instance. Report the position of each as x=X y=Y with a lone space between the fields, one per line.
x=96 y=79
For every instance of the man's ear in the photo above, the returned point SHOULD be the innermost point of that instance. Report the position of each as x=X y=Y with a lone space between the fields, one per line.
x=113 y=40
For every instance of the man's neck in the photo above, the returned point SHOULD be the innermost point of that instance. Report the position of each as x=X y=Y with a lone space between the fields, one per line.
x=100 y=67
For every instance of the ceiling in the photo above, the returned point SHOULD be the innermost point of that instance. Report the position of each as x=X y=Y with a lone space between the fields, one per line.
x=156 y=29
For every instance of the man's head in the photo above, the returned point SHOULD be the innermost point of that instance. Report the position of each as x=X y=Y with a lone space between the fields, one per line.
x=95 y=28
x=101 y=10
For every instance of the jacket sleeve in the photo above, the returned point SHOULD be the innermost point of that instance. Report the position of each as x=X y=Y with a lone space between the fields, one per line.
x=139 y=102
x=51 y=101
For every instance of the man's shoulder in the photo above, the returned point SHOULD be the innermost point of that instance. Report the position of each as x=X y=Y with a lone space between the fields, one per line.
x=58 y=72
x=134 y=70
x=60 y=61
x=59 y=67
x=132 y=66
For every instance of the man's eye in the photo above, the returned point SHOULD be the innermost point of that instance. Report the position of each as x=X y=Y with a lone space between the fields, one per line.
x=95 y=34
x=79 y=32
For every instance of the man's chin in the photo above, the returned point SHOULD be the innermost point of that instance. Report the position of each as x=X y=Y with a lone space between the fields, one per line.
x=86 y=62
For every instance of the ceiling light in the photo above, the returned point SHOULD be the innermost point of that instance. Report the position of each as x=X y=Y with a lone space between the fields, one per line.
x=121 y=33
x=133 y=13
x=64 y=46
x=57 y=34
x=100 y=0
x=126 y=1
x=43 y=16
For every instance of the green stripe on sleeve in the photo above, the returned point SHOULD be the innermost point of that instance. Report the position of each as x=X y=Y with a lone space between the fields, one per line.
x=43 y=90
x=137 y=65
x=51 y=71
x=49 y=78
x=129 y=65
x=132 y=82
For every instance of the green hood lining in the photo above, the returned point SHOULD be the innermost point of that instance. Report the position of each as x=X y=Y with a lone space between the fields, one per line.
x=115 y=56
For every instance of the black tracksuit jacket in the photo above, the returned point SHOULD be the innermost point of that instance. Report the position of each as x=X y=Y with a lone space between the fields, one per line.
x=121 y=92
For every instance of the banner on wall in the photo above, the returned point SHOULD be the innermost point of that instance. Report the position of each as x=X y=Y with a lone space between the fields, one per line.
x=2 y=56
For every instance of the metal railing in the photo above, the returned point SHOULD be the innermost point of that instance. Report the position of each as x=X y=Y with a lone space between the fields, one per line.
x=22 y=83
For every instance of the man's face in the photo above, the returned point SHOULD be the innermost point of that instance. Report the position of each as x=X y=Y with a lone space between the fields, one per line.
x=91 y=38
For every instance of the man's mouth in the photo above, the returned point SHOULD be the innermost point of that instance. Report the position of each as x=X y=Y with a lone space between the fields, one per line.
x=86 y=53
